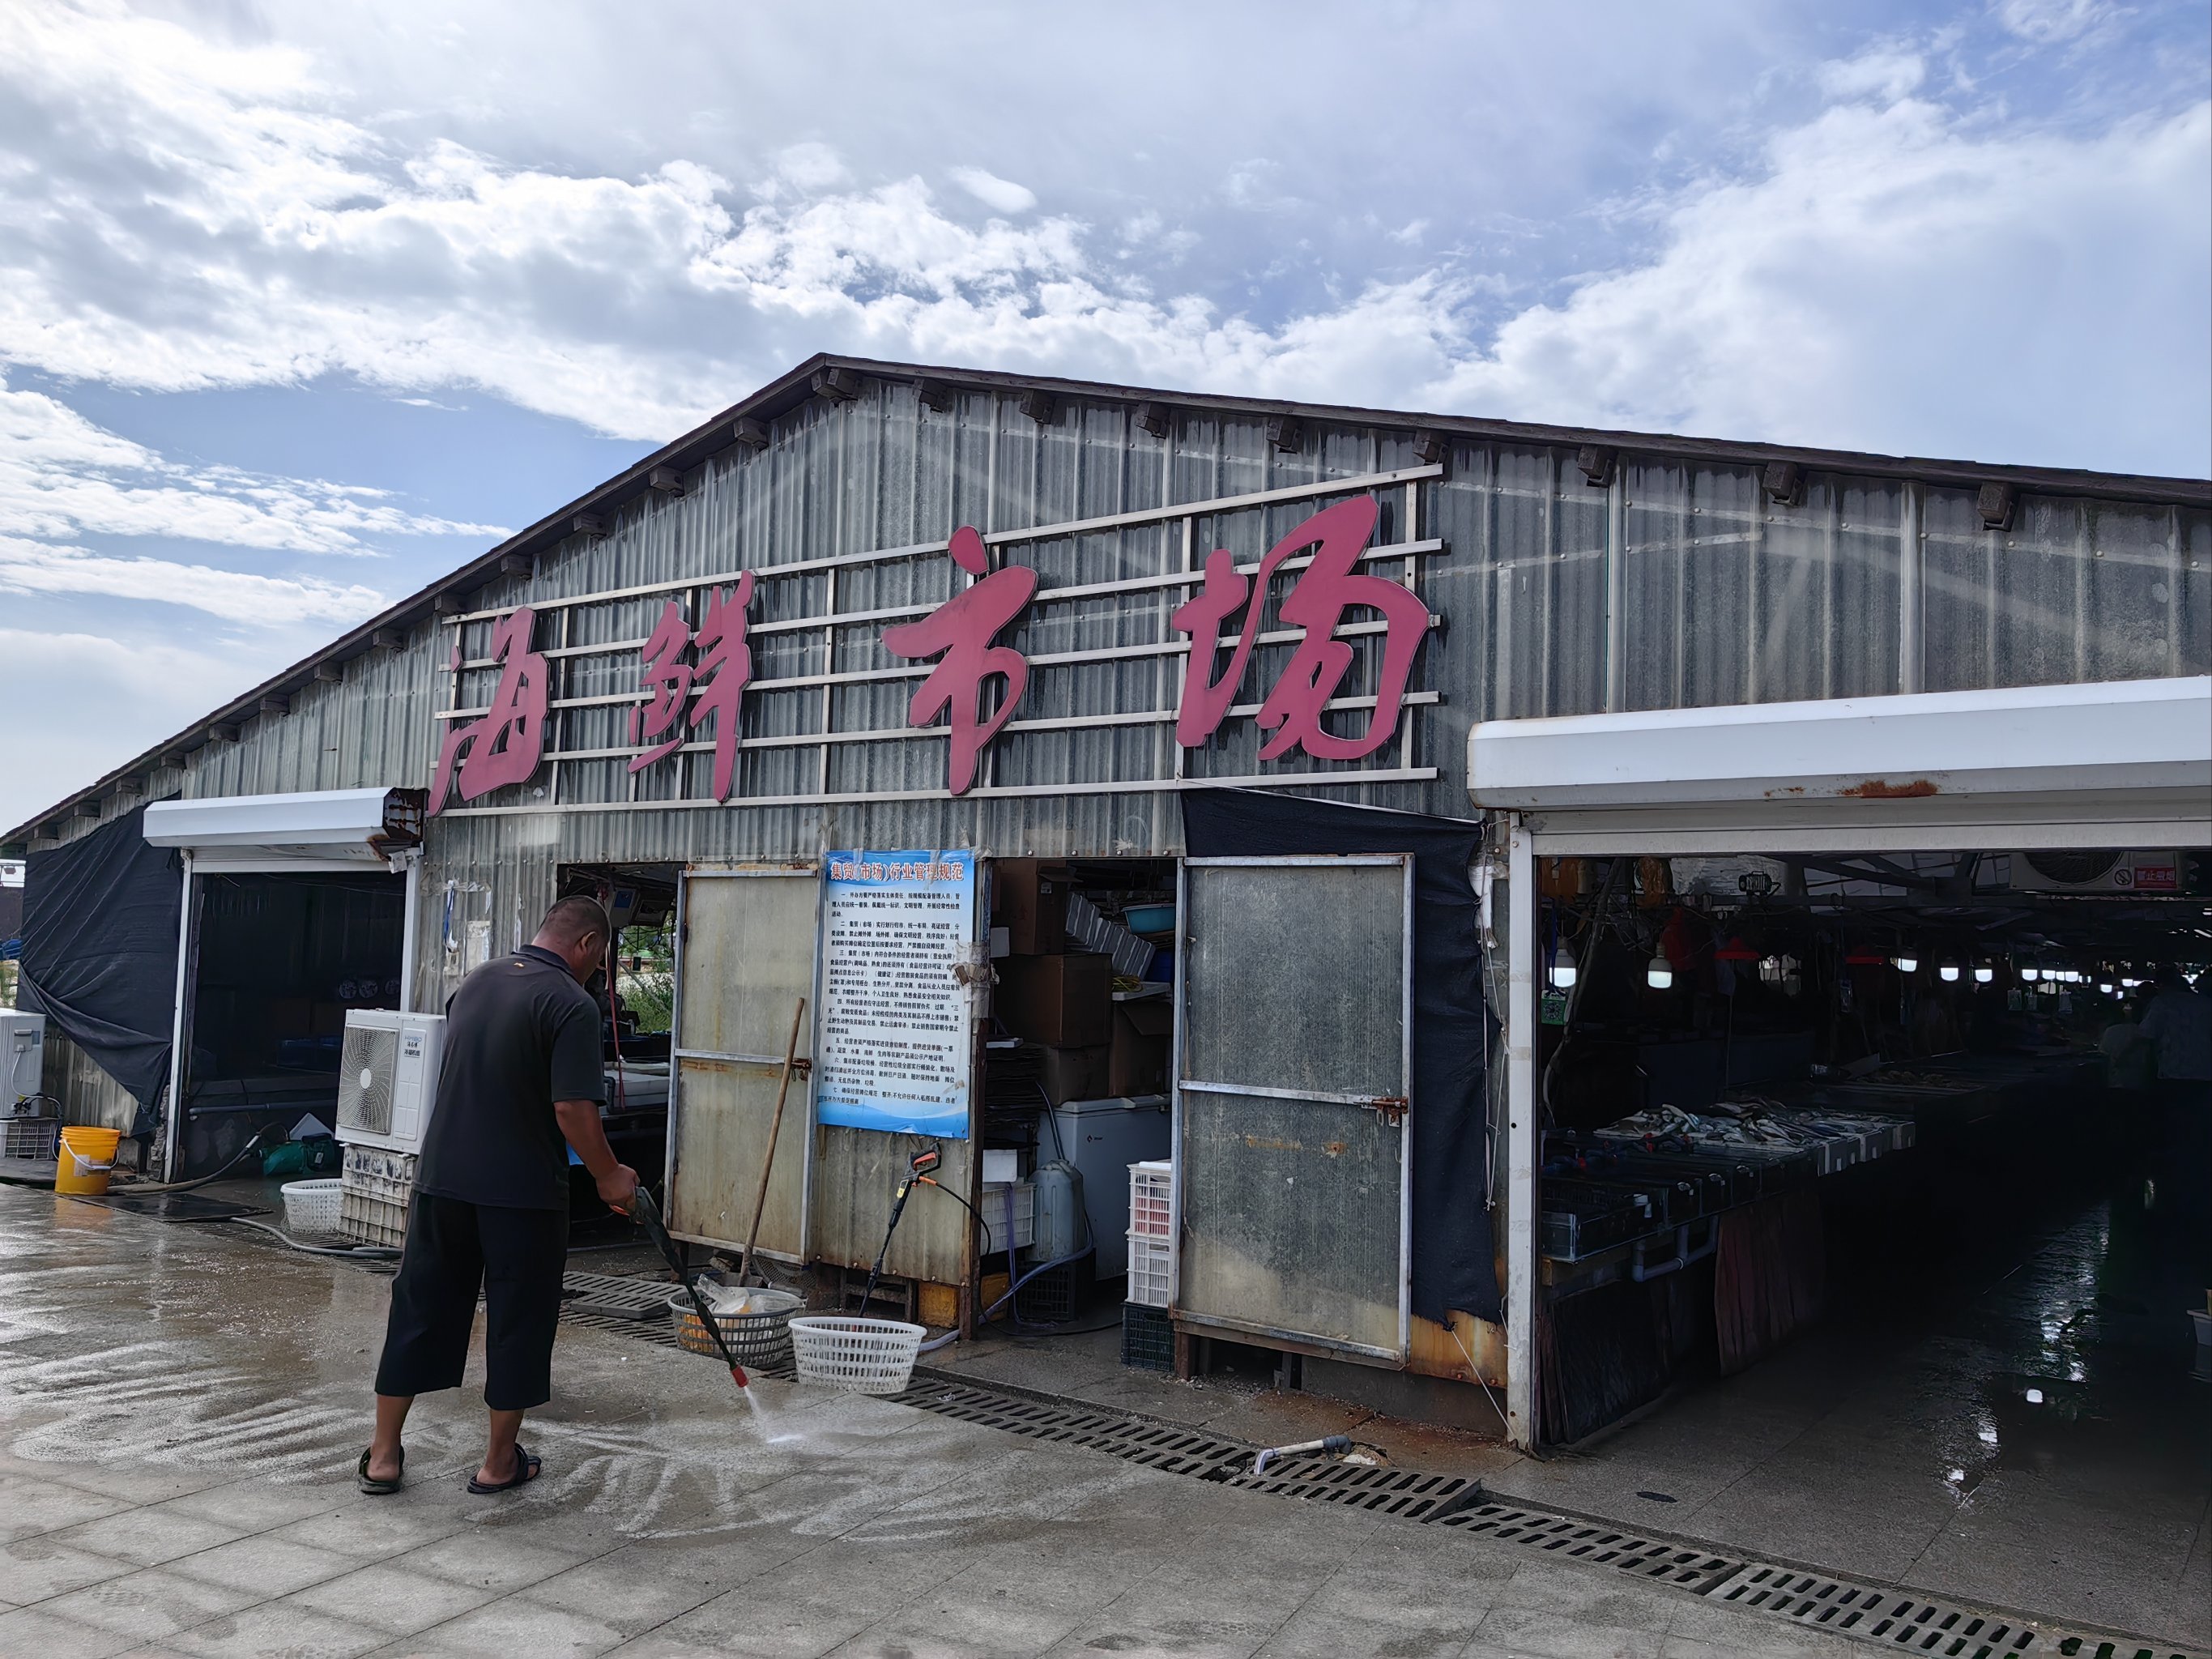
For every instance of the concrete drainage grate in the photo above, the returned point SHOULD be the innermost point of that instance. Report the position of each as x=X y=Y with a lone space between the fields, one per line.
x=1403 y=1494
x=1163 y=1446
x=1916 y=1623
x=617 y=1295
x=1596 y=1545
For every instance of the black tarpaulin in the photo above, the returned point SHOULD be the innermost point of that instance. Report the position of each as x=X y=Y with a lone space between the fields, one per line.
x=99 y=948
x=1454 y=1265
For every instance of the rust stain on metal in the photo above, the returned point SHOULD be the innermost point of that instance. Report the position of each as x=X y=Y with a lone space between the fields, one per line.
x=1269 y=1143
x=1883 y=789
x=1391 y=1109
x=1336 y=1148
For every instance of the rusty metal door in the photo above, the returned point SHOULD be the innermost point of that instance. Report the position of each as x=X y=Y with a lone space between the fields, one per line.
x=1294 y=1035
x=746 y=951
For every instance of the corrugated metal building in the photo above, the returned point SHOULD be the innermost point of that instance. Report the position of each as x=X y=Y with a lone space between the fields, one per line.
x=1567 y=573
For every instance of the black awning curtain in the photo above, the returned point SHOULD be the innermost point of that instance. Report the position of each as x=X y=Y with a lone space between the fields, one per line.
x=1454 y=1265
x=99 y=948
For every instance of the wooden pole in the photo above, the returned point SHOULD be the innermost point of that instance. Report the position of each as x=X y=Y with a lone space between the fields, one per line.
x=775 y=1131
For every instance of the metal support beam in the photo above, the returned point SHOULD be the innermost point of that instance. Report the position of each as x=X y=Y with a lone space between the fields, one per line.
x=1521 y=1137
x=1911 y=545
x=173 y=1107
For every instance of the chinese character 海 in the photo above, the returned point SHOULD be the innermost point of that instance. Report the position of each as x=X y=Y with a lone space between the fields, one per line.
x=963 y=629
x=1316 y=604
x=503 y=744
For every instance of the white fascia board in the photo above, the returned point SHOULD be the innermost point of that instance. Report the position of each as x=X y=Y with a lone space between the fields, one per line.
x=2112 y=736
x=328 y=821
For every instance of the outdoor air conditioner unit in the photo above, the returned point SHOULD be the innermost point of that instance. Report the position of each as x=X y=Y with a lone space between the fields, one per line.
x=2068 y=871
x=22 y=1063
x=388 y=1077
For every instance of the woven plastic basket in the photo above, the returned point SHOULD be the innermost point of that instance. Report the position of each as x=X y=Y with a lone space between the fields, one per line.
x=760 y=1340
x=312 y=1206
x=861 y=1356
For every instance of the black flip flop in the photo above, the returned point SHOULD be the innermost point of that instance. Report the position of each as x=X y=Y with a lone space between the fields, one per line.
x=369 y=1484
x=526 y=1466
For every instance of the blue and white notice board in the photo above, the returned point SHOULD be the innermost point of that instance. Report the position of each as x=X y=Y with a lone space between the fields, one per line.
x=896 y=1051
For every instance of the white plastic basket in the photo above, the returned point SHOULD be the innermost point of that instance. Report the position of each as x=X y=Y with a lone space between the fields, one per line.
x=997 y=1197
x=312 y=1206
x=1151 y=1271
x=860 y=1356
x=1151 y=1199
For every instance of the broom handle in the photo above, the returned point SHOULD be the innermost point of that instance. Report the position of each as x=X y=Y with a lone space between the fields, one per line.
x=775 y=1129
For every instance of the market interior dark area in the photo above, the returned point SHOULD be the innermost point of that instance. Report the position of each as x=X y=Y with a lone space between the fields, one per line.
x=1895 y=1096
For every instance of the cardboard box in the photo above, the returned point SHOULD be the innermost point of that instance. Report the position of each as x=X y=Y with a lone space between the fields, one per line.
x=1063 y=1001
x=1029 y=898
x=1137 y=1058
x=1075 y=1073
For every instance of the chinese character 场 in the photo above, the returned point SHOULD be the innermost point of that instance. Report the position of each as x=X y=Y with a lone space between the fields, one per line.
x=504 y=744
x=963 y=628
x=719 y=676
x=1316 y=604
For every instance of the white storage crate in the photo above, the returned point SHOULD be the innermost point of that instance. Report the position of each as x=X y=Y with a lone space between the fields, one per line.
x=996 y=1194
x=375 y=1185
x=1151 y=1200
x=1151 y=1271
x=29 y=1136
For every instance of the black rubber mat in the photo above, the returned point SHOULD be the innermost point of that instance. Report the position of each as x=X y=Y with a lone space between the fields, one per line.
x=174 y=1206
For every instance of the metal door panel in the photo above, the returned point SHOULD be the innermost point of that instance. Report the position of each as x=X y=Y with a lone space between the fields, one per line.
x=746 y=951
x=1294 y=1045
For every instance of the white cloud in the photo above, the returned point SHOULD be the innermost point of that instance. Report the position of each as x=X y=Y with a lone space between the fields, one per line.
x=1898 y=281
x=2048 y=21
x=62 y=477
x=1885 y=74
x=80 y=704
x=235 y=596
x=217 y=222
x=1002 y=194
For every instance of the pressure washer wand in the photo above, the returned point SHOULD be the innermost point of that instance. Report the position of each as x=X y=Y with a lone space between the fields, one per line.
x=917 y=1167
x=647 y=1214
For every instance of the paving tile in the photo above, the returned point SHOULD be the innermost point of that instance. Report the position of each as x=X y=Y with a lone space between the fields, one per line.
x=372 y=1528
x=516 y=1625
x=152 y=1604
x=758 y=1623
x=1317 y=1633
x=946 y=1629
x=146 y=1538
x=36 y=1568
x=29 y=1506
x=470 y=1556
x=264 y=1565
x=385 y=1597
x=1546 y=1635
x=256 y=1505
x=275 y=1630
x=33 y=1631
x=631 y=1591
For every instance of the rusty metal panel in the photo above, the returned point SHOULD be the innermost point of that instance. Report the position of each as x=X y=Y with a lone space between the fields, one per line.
x=1294 y=1047
x=746 y=959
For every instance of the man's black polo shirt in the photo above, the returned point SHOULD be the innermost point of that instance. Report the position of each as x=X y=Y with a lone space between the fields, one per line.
x=520 y=1034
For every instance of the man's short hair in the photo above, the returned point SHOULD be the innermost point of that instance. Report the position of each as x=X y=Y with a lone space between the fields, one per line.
x=573 y=919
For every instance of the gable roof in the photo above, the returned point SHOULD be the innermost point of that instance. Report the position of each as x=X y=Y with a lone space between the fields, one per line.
x=793 y=388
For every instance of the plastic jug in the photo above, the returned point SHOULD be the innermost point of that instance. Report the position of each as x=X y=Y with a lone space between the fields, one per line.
x=1058 y=1210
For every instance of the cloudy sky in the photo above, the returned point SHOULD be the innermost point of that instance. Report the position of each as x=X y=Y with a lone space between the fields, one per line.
x=300 y=304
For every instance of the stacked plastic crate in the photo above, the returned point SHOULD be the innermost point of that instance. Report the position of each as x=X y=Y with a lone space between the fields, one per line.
x=1148 y=1335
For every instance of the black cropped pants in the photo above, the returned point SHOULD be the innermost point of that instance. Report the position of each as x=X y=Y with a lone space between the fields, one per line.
x=517 y=1256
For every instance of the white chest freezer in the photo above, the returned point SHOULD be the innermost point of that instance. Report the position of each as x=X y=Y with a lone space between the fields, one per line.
x=1103 y=1139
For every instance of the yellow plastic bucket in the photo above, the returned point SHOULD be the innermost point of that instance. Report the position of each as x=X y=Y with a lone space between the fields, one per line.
x=87 y=1158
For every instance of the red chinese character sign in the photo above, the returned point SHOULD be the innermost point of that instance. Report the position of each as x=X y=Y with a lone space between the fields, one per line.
x=1316 y=604
x=503 y=744
x=963 y=629
x=712 y=683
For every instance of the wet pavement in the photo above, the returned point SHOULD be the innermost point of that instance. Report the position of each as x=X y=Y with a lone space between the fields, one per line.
x=180 y=1406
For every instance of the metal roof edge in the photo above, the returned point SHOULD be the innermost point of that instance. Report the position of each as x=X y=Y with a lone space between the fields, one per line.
x=795 y=385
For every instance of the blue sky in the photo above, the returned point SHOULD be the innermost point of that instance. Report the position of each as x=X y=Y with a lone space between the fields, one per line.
x=299 y=305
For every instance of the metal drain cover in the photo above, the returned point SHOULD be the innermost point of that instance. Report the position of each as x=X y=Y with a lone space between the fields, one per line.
x=1596 y=1544
x=1406 y=1494
x=615 y=1296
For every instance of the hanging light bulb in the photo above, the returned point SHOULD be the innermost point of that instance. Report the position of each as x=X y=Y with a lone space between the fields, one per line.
x=2029 y=973
x=1908 y=964
x=1948 y=971
x=1661 y=973
x=1563 y=969
x=2105 y=986
x=1983 y=973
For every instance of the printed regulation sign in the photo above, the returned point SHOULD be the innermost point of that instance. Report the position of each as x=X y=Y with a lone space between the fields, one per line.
x=895 y=1048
